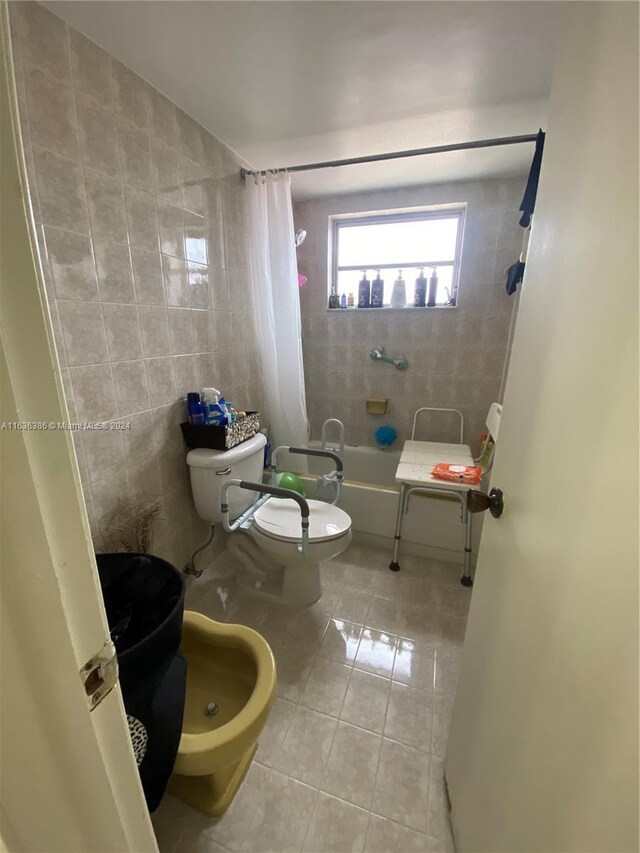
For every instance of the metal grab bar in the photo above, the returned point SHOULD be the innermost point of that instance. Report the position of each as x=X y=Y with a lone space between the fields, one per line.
x=434 y=409
x=267 y=491
x=306 y=451
x=341 y=433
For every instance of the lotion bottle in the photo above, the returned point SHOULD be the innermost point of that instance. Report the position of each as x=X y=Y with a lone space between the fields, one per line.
x=377 y=292
x=399 y=292
x=420 y=293
x=364 y=291
x=433 y=289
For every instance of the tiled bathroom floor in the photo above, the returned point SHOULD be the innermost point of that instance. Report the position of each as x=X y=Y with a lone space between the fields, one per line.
x=351 y=756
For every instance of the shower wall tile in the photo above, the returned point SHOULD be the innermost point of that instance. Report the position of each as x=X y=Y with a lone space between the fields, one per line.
x=123 y=331
x=51 y=113
x=60 y=191
x=91 y=69
x=44 y=40
x=154 y=327
x=131 y=95
x=140 y=219
x=98 y=136
x=147 y=274
x=456 y=356
x=135 y=151
x=115 y=276
x=83 y=331
x=163 y=119
x=105 y=197
x=71 y=264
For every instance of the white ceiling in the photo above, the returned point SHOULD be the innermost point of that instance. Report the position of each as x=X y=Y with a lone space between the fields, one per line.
x=293 y=82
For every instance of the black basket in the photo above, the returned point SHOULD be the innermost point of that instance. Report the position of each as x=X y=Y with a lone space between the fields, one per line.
x=216 y=437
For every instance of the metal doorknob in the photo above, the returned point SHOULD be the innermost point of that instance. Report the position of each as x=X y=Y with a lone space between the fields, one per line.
x=479 y=502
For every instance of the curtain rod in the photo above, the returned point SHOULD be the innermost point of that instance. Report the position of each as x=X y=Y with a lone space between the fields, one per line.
x=397 y=155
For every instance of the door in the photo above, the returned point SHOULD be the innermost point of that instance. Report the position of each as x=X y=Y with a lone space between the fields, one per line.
x=68 y=776
x=543 y=750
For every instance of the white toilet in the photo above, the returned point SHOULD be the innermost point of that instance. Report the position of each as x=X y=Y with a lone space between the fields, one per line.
x=274 y=530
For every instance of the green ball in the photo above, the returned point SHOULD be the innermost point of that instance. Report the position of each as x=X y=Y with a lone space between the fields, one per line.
x=287 y=480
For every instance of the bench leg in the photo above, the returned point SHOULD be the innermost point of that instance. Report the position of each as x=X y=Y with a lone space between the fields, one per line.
x=394 y=565
x=466 y=580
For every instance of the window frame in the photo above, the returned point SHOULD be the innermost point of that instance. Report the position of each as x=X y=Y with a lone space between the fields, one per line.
x=411 y=214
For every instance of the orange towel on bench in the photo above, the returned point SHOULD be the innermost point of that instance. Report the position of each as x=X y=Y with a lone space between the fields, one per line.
x=469 y=474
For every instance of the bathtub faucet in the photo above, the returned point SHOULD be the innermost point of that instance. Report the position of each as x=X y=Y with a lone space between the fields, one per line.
x=378 y=355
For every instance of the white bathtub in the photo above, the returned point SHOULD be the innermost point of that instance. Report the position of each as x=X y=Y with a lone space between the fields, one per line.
x=370 y=495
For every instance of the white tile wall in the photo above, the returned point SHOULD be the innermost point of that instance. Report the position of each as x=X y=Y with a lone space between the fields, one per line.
x=140 y=223
x=456 y=356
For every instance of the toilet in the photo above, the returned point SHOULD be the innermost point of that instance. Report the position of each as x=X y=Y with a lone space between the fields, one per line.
x=271 y=537
x=231 y=684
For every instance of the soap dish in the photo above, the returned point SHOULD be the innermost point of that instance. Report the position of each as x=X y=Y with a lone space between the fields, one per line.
x=377 y=405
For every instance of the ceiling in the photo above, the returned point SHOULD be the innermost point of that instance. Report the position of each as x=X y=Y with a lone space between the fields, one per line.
x=293 y=82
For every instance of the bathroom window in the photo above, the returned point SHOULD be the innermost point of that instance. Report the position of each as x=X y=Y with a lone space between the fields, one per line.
x=399 y=240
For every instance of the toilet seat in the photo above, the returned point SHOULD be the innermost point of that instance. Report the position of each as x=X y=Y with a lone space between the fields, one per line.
x=280 y=519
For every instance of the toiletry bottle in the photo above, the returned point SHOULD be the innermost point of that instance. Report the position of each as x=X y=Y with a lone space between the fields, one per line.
x=195 y=408
x=224 y=414
x=420 y=293
x=210 y=397
x=267 y=449
x=350 y=300
x=364 y=291
x=334 y=300
x=433 y=288
x=399 y=292
x=343 y=300
x=377 y=292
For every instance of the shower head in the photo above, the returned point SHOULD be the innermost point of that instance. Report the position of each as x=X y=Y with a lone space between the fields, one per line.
x=300 y=237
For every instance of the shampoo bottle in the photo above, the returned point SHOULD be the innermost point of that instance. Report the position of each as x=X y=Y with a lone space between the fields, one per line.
x=210 y=397
x=377 y=292
x=399 y=292
x=433 y=289
x=364 y=291
x=420 y=293
x=195 y=408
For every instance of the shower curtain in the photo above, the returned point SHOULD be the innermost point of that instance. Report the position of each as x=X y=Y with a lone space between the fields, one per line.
x=274 y=277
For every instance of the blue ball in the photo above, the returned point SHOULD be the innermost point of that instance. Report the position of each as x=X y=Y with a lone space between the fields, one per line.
x=385 y=436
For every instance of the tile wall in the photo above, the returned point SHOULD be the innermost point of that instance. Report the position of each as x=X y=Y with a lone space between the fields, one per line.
x=456 y=356
x=140 y=223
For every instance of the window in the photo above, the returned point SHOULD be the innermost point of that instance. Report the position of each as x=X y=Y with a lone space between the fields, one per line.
x=390 y=241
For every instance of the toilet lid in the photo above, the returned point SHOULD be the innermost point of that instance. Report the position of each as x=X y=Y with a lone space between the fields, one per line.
x=280 y=518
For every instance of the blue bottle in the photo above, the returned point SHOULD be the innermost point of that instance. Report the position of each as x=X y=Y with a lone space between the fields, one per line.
x=195 y=408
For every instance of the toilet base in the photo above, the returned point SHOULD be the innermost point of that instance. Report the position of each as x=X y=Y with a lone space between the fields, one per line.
x=213 y=794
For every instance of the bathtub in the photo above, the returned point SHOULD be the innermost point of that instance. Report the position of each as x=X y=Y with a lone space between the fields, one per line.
x=432 y=526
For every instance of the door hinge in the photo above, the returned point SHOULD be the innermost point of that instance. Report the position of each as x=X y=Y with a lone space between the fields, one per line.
x=100 y=674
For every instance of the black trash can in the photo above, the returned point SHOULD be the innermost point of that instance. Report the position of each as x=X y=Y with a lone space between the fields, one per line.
x=144 y=600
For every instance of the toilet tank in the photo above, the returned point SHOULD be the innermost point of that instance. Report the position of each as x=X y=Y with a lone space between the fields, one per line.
x=211 y=469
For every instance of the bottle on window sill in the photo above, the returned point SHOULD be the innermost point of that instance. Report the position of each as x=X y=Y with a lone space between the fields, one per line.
x=377 y=292
x=364 y=291
x=350 y=302
x=399 y=292
x=420 y=292
x=334 y=301
x=433 y=288
x=343 y=300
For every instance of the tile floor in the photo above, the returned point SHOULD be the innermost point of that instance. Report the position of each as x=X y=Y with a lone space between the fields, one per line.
x=351 y=757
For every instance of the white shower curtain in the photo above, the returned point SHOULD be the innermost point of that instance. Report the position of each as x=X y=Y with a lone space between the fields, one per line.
x=274 y=276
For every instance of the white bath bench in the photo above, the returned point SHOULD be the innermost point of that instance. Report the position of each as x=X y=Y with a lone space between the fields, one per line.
x=414 y=475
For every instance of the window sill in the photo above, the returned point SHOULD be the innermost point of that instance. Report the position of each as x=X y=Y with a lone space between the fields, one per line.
x=388 y=308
